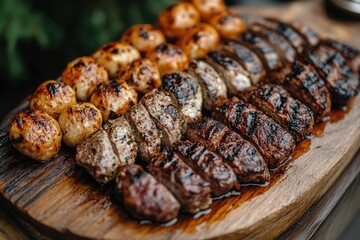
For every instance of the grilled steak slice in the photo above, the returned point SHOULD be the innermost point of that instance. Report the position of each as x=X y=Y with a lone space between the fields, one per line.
x=146 y=134
x=209 y=166
x=291 y=114
x=123 y=140
x=188 y=187
x=275 y=144
x=144 y=197
x=305 y=84
x=212 y=85
x=185 y=90
x=244 y=159
x=341 y=80
x=268 y=55
x=235 y=76
x=307 y=33
x=247 y=58
x=97 y=156
x=166 y=115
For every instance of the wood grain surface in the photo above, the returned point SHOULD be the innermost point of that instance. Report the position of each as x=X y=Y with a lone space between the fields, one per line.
x=60 y=200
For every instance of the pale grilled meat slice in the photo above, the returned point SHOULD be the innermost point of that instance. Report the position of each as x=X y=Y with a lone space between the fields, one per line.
x=123 y=140
x=143 y=197
x=272 y=141
x=96 y=155
x=208 y=165
x=247 y=163
x=307 y=33
x=186 y=91
x=188 y=187
x=146 y=134
x=305 y=84
x=166 y=115
x=235 y=76
x=213 y=87
x=341 y=80
x=291 y=114
x=247 y=58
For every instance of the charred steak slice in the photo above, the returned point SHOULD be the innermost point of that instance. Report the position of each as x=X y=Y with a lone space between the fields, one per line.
x=291 y=114
x=185 y=90
x=235 y=76
x=146 y=134
x=305 y=84
x=144 y=197
x=209 y=166
x=275 y=144
x=187 y=186
x=307 y=33
x=123 y=140
x=166 y=115
x=97 y=156
x=212 y=85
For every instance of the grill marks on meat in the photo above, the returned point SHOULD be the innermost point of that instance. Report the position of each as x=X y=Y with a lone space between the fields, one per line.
x=144 y=197
x=188 y=187
x=275 y=144
x=307 y=33
x=244 y=159
x=209 y=166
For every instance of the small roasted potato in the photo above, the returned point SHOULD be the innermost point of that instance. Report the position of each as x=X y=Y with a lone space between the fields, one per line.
x=83 y=74
x=35 y=134
x=143 y=75
x=52 y=97
x=199 y=41
x=227 y=24
x=144 y=37
x=169 y=58
x=115 y=57
x=79 y=121
x=177 y=19
x=113 y=99
x=207 y=8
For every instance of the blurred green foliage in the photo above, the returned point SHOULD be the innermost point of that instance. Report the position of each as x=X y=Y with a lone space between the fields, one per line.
x=38 y=38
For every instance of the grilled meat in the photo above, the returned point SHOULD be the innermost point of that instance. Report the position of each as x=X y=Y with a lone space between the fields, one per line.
x=144 y=197
x=208 y=165
x=235 y=76
x=275 y=144
x=212 y=85
x=188 y=187
x=277 y=103
x=307 y=33
x=185 y=90
x=166 y=115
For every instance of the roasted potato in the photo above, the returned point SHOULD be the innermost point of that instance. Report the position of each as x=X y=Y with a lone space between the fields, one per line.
x=177 y=19
x=169 y=58
x=207 y=8
x=35 y=134
x=199 y=41
x=115 y=57
x=227 y=24
x=144 y=37
x=113 y=99
x=52 y=97
x=79 y=121
x=83 y=74
x=143 y=75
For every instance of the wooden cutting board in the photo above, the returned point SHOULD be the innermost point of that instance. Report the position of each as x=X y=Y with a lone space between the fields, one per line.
x=60 y=200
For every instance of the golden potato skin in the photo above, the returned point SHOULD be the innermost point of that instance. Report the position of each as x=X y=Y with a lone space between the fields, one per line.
x=144 y=37
x=83 y=74
x=35 y=134
x=115 y=57
x=227 y=24
x=207 y=8
x=199 y=41
x=169 y=58
x=52 y=97
x=113 y=99
x=143 y=75
x=79 y=121
x=177 y=19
